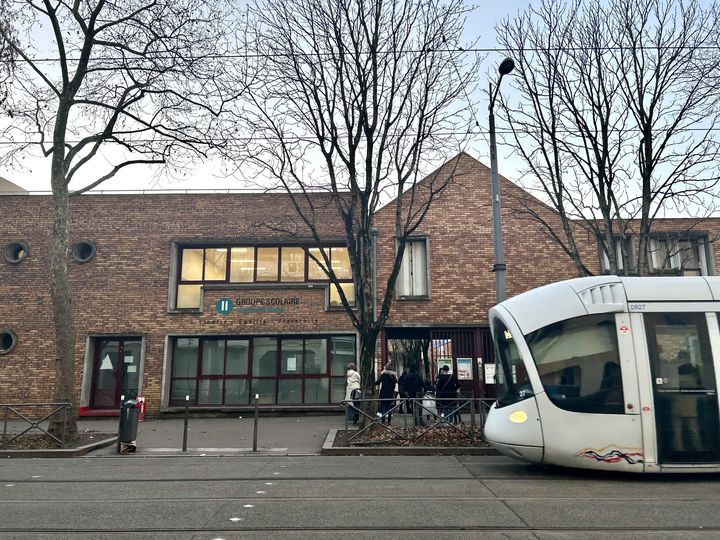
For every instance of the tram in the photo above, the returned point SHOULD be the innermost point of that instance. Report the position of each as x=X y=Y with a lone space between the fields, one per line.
x=610 y=373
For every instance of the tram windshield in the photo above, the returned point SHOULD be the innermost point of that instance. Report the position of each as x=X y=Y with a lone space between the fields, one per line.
x=513 y=384
x=579 y=364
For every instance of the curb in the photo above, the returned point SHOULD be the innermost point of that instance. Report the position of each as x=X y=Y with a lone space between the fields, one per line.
x=329 y=450
x=58 y=453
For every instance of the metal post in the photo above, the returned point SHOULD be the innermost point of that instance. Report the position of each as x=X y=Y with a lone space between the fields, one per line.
x=255 y=424
x=472 y=417
x=65 y=408
x=121 y=424
x=185 y=427
x=5 y=424
x=499 y=266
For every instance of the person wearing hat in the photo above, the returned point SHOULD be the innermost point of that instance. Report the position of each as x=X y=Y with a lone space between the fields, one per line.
x=446 y=388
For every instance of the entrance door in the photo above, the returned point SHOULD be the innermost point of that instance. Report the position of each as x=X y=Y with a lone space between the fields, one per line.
x=684 y=388
x=116 y=371
x=456 y=348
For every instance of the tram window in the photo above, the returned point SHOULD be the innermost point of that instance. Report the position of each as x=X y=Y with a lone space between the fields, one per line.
x=579 y=364
x=513 y=383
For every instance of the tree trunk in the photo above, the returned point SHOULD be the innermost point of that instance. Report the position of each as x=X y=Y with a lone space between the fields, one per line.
x=62 y=308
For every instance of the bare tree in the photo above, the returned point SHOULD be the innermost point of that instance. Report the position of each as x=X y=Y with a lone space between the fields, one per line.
x=356 y=98
x=7 y=55
x=116 y=84
x=588 y=82
x=668 y=61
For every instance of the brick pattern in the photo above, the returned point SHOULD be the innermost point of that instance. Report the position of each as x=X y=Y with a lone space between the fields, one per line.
x=124 y=289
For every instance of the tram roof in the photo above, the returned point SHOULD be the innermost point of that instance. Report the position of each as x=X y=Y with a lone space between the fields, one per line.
x=604 y=294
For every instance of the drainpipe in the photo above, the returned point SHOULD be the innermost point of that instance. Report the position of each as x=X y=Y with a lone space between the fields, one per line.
x=374 y=235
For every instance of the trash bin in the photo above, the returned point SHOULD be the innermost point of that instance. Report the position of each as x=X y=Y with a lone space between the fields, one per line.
x=127 y=433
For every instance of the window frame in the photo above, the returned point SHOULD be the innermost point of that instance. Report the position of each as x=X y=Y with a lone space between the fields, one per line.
x=425 y=240
x=607 y=402
x=177 y=269
x=669 y=245
x=328 y=342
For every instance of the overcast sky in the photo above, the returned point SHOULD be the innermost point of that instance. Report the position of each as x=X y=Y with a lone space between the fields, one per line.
x=480 y=24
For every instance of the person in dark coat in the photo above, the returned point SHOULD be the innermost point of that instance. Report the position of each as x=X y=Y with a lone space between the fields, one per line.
x=387 y=381
x=415 y=388
x=446 y=389
x=404 y=404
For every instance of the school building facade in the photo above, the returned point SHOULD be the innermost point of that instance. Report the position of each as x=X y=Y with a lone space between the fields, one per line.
x=214 y=296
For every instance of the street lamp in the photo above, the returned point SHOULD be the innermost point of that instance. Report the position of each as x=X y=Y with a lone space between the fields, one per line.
x=506 y=66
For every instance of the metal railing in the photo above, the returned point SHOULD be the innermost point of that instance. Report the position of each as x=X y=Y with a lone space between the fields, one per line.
x=440 y=413
x=33 y=423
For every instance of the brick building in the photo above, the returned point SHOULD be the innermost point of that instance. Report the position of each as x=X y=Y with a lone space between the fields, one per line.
x=213 y=296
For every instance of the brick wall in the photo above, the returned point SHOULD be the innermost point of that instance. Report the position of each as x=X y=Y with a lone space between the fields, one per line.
x=124 y=288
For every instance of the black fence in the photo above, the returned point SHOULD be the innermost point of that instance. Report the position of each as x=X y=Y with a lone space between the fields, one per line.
x=410 y=419
x=32 y=417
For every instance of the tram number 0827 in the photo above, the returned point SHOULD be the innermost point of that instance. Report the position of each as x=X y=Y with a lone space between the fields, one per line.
x=637 y=307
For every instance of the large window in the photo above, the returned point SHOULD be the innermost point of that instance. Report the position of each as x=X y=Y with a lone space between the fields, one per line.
x=623 y=249
x=513 y=383
x=668 y=253
x=579 y=364
x=413 y=278
x=676 y=255
x=285 y=370
x=259 y=264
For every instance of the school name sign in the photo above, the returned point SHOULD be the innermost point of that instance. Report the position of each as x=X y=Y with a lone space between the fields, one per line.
x=256 y=304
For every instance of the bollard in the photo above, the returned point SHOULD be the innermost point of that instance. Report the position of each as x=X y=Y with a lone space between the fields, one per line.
x=121 y=423
x=472 y=417
x=185 y=427
x=255 y=424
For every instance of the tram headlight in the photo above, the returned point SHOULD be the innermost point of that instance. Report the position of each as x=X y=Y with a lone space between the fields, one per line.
x=518 y=417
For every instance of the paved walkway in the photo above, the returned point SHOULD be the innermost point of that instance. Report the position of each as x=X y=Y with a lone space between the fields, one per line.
x=284 y=435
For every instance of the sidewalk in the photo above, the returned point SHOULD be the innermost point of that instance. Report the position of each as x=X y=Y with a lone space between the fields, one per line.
x=284 y=435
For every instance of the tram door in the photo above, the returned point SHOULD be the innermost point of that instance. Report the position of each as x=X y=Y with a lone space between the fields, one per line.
x=684 y=388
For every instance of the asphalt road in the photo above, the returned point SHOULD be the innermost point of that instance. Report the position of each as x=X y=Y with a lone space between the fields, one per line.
x=362 y=497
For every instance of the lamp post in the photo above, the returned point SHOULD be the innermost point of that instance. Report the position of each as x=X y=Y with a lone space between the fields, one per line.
x=506 y=66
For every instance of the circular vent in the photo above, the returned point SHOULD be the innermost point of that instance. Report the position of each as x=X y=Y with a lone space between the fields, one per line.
x=8 y=340
x=16 y=252
x=83 y=251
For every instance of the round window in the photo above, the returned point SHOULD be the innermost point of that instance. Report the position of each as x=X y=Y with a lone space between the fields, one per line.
x=8 y=340
x=83 y=251
x=16 y=252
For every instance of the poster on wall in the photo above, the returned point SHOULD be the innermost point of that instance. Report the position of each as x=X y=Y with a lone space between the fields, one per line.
x=489 y=373
x=445 y=362
x=464 y=369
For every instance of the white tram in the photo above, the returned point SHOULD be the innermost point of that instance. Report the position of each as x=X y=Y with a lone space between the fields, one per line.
x=610 y=373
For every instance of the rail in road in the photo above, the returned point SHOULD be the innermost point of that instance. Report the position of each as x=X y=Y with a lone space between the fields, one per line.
x=336 y=496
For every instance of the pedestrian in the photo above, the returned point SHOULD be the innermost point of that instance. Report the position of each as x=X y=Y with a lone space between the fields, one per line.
x=352 y=393
x=415 y=388
x=387 y=381
x=404 y=404
x=446 y=389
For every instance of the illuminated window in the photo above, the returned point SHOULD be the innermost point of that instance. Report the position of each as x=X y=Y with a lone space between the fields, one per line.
x=267 y=264
x=348 y=289
x=316 y=271
x=242 y=264
x=251 y=264
x=292 y=264
x=215 y=264
x=340 y=262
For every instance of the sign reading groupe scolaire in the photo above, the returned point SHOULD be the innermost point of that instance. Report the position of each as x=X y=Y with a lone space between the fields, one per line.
x=258 y=304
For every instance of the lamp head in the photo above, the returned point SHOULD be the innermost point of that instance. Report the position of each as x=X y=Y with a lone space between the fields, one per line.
x=506 y=66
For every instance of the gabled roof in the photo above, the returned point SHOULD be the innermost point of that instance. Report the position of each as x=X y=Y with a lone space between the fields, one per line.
x=6 y=187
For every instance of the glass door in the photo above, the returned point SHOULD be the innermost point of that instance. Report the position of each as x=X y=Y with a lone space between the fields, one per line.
x=116 y=371
x=684 y=388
